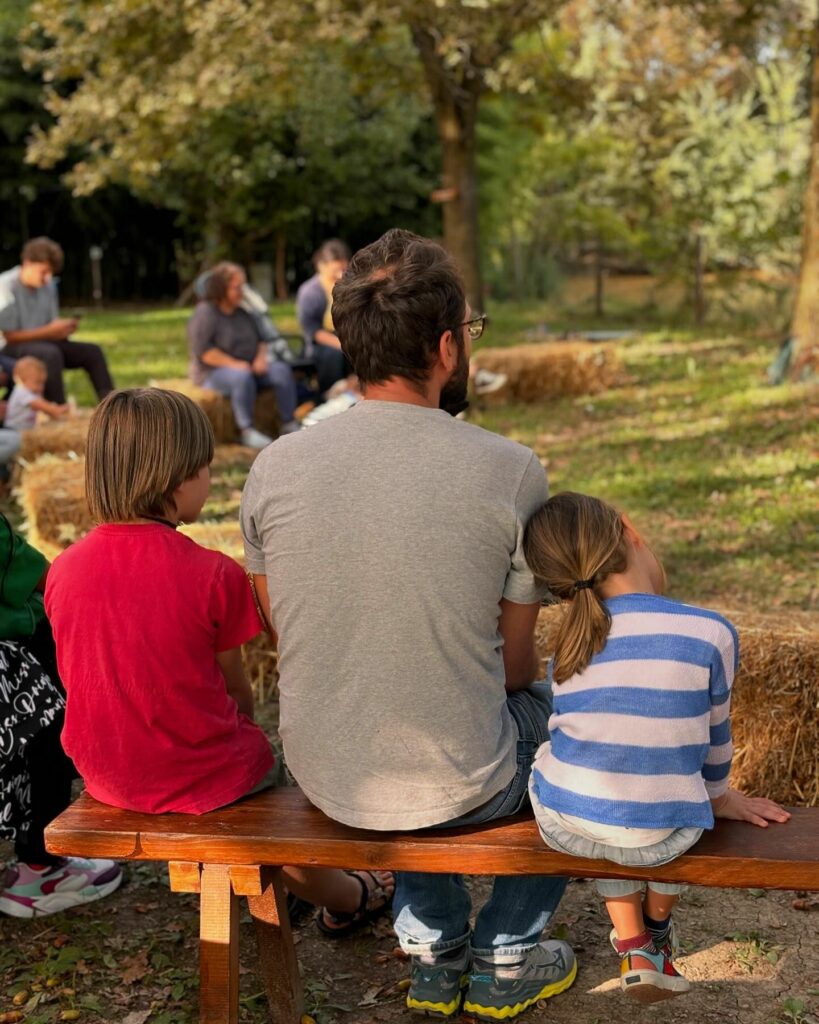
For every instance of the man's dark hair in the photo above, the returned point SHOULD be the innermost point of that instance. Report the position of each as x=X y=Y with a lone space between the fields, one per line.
x=332 y=249
x=43 y=250
x=392 y=305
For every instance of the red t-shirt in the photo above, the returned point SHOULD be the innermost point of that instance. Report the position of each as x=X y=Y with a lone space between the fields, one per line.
x=139 y=613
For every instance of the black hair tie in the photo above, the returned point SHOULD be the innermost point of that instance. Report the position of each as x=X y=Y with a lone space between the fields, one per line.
x=583 y=584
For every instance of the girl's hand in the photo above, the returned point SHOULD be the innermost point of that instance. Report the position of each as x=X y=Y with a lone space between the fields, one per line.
x=756 y=809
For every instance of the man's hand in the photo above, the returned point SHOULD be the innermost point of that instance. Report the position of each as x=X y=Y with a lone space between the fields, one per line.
x=260 y=363
x=60 y=329
x=758 y=810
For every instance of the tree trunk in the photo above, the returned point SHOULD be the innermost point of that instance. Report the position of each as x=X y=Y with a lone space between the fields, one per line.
x=699 y=283
x=599 y=280
x=456 y=113
x=281 y=266
x=805 y=321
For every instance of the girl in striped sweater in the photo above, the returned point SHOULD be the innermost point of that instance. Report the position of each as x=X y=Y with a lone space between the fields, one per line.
x=640 y=737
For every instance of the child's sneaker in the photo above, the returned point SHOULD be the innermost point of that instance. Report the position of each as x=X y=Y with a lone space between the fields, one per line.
x=497 y=992
x=666 y=943
x=437 y=988
x=650 y=977
x=32 y=892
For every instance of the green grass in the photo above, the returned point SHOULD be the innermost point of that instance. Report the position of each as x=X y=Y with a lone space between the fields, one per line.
x=718 y=469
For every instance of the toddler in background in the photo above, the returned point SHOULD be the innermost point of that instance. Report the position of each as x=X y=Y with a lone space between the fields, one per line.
x=640 y=738
x=149 y=628
x=26 y=400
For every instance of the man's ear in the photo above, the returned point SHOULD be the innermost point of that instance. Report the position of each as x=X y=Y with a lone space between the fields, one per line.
x=448 y=351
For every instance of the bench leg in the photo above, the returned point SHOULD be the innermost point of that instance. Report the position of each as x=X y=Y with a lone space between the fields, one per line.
x=218 y=947
x=277 y=954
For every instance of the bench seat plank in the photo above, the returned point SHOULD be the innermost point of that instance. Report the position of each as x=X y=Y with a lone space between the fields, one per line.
x=282 y=827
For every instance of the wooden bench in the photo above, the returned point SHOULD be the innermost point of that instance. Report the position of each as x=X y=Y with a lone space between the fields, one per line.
x=238 y=851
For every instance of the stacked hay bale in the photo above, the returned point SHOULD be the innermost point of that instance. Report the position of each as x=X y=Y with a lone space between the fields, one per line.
x=775 y=703
x=59 y=437
x=554 y=368
x=218 y=411
x=52 y=495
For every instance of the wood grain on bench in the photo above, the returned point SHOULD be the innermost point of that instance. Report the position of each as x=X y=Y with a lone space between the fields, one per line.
x=282 y=827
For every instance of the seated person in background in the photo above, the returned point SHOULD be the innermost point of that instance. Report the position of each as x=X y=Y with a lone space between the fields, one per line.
x=159 y=713
x=31 y=323
x=314 y=309
x=26 y=400
x=229 y=355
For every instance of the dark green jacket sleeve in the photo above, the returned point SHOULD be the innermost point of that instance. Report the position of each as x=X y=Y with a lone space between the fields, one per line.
x=21 y=568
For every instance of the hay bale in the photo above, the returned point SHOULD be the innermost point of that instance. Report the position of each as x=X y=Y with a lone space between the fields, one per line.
x=58 y=437
x=52 y=495
x=554 y=368
x=774 y=705
x=224 y=536
x=261 y=661
x=218 y=411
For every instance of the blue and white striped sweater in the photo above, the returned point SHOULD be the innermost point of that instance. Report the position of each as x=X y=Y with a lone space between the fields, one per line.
x=642 y=737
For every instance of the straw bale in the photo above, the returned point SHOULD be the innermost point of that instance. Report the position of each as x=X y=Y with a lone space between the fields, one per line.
x=58 y=437
x=225 y=536
x=52 y=494
x=775 y=703
x=553 y=368
x=261 y=663
x=217 y=409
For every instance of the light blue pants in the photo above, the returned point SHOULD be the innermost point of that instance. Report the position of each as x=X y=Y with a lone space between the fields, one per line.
x=432 y=911
x=241 y=386
x=9 y=445
x=560 y=839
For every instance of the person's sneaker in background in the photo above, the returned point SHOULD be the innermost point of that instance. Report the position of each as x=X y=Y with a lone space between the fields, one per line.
x=73 y=882
x=332 y=407
x=501 y=992
x=253 y=438
x=437 y=983
x=486 y=382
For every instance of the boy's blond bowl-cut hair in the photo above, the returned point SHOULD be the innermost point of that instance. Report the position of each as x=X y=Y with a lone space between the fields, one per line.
x=142 y=444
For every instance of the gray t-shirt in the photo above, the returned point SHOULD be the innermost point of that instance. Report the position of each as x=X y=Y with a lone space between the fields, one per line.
x=388 y=535
x=23 y=308
x=311 y=308
x=235 y=333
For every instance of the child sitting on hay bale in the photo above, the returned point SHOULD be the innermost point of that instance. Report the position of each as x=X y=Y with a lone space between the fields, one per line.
x=159 y=713
x=640 y=750
x=27 y=400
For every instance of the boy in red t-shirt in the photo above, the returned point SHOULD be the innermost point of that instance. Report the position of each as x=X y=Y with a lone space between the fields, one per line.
x=149 y=628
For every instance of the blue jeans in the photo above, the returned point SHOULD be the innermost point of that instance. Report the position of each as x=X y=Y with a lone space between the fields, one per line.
x=241 y=386
x=432 y=911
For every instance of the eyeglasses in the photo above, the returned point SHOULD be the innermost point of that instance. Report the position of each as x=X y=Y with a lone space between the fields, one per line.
x=475 y=326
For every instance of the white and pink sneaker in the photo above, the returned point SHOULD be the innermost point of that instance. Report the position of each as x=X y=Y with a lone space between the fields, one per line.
x=74 y=881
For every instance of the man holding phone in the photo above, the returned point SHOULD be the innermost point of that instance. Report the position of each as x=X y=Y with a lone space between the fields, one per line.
x=31 y=324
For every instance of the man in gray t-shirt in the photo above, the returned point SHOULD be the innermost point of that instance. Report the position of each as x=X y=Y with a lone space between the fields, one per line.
x=31 y=324
x=387 y=545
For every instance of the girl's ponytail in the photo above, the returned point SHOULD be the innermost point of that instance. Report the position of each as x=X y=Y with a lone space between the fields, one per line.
x=572 y=543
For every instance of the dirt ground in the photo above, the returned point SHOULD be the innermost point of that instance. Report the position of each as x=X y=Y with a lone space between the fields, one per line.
x=131 y=959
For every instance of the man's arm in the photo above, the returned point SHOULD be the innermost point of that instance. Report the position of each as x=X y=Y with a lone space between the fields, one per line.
x=57 y=330
x=324 y=337
x=263 y=598
x=521 y=660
